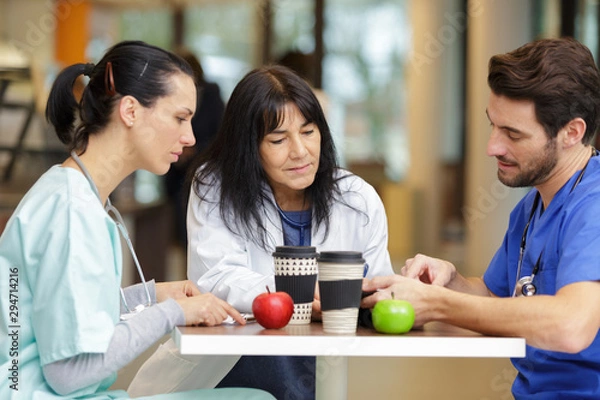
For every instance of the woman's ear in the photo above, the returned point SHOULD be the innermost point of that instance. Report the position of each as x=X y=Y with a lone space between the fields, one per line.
x=573 y=132
x=129 y=110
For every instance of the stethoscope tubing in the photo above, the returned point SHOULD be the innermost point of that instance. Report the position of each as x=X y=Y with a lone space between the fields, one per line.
x=109 y=208
x=526 y=229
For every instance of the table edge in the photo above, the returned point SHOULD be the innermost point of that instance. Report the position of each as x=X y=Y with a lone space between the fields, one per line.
x=352 y=346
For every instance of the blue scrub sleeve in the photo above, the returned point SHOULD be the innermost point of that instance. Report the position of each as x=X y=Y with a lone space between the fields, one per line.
x=579 y=244
x=496 y=276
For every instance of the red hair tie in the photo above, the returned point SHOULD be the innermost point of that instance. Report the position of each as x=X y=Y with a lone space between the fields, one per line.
x=109 y=80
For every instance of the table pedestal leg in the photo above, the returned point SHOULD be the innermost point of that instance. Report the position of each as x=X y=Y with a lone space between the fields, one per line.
x=332 y=378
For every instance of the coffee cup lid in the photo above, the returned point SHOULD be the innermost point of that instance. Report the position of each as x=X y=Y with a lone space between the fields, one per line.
x=344 y=257
x=295 y=251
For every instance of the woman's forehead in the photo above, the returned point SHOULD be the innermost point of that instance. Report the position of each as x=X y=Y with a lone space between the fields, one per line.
x=290 y=112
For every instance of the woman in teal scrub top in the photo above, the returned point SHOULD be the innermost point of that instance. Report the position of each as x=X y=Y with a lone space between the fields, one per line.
x=66 y=325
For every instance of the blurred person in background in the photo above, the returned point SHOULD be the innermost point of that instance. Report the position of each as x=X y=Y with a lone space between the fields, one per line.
x=205 y=124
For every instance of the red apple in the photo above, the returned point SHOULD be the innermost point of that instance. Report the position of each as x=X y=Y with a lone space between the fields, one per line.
x=273 y=310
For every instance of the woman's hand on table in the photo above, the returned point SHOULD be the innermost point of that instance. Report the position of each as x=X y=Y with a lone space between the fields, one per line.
x=175 y=290
x=207 y=309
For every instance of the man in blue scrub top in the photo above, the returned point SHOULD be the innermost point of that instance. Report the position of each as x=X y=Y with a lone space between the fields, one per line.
x=543 y=283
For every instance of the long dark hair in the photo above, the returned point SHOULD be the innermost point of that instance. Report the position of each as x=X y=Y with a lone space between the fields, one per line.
x=130 y=68
x=257 y=107
x=558 y=75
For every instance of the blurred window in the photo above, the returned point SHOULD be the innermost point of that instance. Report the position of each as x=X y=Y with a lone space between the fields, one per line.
x=154 y=26
x=366 y=45
x=586 y=25
x=366 y=49
x=226 y=37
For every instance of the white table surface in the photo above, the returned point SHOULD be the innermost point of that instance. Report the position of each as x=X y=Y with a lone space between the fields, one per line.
x=434 y=340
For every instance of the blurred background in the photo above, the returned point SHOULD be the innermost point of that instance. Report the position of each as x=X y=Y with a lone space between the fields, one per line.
x=402 y=82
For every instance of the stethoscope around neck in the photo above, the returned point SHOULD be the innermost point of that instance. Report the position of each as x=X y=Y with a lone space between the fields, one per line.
x=301 y=226
x=110 y=209
x=524 y=286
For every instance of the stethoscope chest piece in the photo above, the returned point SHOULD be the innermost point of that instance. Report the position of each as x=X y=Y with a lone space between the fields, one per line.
x=138 y=309
x=525 y=287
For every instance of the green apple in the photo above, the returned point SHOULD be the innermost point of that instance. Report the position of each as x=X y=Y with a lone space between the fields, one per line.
x=393 y=316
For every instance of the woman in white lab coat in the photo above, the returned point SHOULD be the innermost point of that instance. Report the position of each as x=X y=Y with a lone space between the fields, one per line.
x=271 y=178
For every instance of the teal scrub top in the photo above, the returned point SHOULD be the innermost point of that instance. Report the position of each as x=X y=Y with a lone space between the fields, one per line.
x=60 y=273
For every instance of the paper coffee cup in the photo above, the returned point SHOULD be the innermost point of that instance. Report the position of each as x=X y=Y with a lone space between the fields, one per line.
x=340 y=287
x=296 y=274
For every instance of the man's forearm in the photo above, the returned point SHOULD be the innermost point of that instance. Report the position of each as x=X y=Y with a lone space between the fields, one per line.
x=566 y=322
x=474 y=286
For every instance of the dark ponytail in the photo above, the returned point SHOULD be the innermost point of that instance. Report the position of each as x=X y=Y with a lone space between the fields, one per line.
x=131 y=68
x=62 y=105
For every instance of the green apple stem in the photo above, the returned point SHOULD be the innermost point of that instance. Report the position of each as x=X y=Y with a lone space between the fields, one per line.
x=393 y=296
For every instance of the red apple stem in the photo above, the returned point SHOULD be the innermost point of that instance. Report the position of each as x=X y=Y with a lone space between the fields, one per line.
x=268 y=290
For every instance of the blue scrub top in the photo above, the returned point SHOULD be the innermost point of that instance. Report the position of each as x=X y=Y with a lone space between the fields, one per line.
x=60 y=273
x=567 y=235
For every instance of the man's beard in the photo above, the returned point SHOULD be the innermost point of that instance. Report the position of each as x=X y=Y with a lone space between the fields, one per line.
x=537 y=169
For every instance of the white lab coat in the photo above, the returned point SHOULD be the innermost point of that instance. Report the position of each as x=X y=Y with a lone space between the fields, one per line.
x=237 y=270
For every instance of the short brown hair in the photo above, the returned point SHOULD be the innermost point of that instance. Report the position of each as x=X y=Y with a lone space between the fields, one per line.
x=558 y=75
